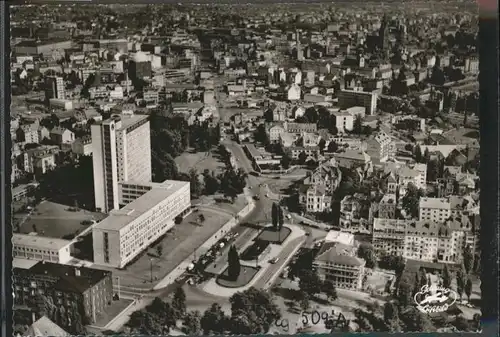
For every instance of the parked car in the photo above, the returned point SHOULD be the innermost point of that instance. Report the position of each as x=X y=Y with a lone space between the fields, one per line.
x=273 y=261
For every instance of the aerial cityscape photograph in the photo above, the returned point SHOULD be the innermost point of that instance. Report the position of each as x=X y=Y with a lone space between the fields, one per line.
x=236 y=169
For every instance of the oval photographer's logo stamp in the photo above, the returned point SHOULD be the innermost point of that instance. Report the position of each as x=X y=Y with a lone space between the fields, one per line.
x=434 y=299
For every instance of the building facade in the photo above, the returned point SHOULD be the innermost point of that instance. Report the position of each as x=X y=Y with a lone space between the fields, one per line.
x=87 y=290
x=350 y=98
x=337 y=263
x=150 y=213
x=381 y=147
x=425 y=240
x=121 y=151
x=54 y=87
x=41 y=248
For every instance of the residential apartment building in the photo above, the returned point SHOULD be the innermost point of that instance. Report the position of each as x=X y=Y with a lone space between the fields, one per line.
x=62 y=136
x=353 y=159
x=384 y=208
x=388 y=236
x=82 y=146
x=326 y=173
x=54 y=87
x=337 y=262
x=456 y=182
x=381 y=147
x=315 y=198
x=400 y=177
x=354 y=213
x=307 y=139
x=274 y=132
x=121 y=151
x=440 y=209
x=90 y=291
x=150 y=214
x=27 y=134
x=29 y=159
x=350 y=143
x=310 y=151
x=40 y=248
x=350 y=98
x=434 y=209
x=344 y=121
x=300 y=127
x=43 y=163
x=425 y=240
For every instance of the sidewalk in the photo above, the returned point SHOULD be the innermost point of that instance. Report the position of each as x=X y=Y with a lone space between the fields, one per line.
x=268 y=271
x=182 y=267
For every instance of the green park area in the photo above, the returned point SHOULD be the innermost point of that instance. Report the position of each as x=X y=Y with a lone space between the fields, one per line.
x=247 y=273
x=273 y=235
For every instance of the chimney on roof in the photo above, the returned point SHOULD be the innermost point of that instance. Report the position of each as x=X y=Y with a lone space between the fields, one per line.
x=77 y=271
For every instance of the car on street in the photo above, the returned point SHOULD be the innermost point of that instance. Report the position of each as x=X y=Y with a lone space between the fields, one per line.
x=308 y=233
x=256 y=197
x=273 y=261
x=288 y=216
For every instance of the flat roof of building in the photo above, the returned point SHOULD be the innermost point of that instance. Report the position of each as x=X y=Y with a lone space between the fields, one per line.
x=41 y=242
x=119 y=219
x=23 y=263
x=341 y=237
x=131 y=120
x=71 y=278
x=441 y=203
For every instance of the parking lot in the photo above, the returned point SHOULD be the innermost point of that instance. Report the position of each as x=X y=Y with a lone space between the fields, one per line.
x=181 y=242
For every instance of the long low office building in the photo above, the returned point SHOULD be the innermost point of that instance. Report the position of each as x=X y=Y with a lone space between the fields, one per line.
x=41 y=248
x=150 y=213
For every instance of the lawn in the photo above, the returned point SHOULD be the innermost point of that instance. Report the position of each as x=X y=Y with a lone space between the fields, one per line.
x=270 y=235
x=199 y=161
x=279 y=186
x=246 y=275
x=55 y=220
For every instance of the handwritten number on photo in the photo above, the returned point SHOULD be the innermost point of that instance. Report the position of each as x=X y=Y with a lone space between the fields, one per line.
x=282 y=323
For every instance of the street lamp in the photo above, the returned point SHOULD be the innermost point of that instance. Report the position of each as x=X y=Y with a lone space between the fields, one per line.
x=118 y=285
x=151 y=268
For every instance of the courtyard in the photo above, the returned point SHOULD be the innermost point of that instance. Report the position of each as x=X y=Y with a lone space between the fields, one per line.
x=56 y=220
x=246 y=275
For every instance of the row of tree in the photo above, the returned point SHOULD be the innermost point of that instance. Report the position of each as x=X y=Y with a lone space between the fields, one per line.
x=170 y=137
x=231 y=182
x=252 y=312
